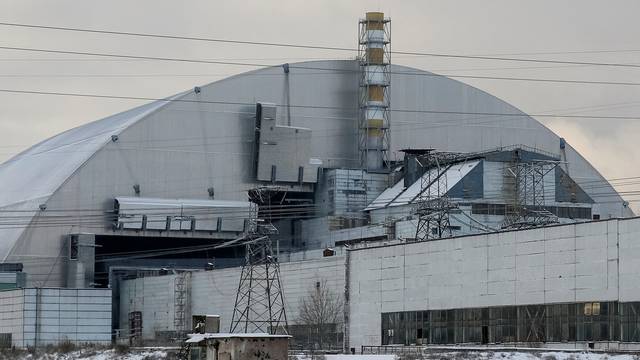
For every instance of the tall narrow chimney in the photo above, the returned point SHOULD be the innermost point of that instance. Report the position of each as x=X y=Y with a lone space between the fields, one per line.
x=374 y=54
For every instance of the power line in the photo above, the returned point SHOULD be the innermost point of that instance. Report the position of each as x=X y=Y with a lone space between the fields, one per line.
x=410 y=73
x=601 y=51
x=177 y=37
x=336 y=131
x=84 y=213
x=138 y=57
x=303 y=46
x=168 y=100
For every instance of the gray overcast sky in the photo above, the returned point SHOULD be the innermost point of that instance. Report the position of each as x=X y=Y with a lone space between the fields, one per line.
x=446 y=26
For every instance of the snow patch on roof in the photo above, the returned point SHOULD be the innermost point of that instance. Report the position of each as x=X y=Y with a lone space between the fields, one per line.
x=397 y=195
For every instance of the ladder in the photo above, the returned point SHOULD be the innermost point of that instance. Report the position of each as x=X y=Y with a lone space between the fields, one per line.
x=185 y=349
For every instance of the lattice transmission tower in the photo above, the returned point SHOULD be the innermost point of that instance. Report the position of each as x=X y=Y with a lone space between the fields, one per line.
x=259 y=305
x=528 y=208
x=433 y=206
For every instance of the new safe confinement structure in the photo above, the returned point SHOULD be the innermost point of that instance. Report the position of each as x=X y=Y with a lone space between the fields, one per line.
x=444 y=225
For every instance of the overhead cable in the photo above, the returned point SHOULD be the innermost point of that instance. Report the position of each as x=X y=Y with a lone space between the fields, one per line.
x=306 y=46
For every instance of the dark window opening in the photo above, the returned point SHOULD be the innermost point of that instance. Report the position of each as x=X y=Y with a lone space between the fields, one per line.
x=560 y=211
x=571 y=322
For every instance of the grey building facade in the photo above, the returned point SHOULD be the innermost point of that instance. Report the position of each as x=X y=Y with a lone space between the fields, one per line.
x=207 y=145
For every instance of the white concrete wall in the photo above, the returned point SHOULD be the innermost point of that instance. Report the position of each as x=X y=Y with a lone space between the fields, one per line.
x=569 y=263
x=629 y=255
x=596 y=261
x=11 y=315
x=75 y=315
x=213 y=292
x=51 y=316
x=153 y=297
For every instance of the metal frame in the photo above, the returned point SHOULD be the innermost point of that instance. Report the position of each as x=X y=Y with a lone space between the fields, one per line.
x=259 y=305
x=181 y=287
x=533 y=316
x=363 y=125
x=528 y=202
x=433 y=206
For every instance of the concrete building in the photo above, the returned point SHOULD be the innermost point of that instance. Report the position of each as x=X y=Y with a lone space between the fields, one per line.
x=196 y=154
x=223 y=346
x=569 y=285
x=34 y=317
x=315 y=147
x=214 y=291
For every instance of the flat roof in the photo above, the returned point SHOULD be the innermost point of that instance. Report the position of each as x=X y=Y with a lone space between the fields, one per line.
x=196 y=338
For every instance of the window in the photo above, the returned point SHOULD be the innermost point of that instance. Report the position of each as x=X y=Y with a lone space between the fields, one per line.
x=135 y=325
x=560 y=211
x=5 y=340
x=73 y=247
x=593 y=321
x=480 y=209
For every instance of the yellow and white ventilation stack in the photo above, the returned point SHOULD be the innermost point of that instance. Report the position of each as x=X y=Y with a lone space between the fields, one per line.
x=375 y=57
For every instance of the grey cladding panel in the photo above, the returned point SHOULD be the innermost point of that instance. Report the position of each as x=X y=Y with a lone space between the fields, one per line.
x=471 y=186
x=185 y=214
x=567 y=190
x=284 y=152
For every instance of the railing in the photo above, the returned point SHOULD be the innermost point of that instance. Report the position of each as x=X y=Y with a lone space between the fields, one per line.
x=390 y=349
x=526 y=148
x=608 y=347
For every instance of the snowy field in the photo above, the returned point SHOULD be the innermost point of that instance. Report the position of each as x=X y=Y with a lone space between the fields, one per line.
x=88 y=355
x=484 y=355
x=554 y=355
x=353 y=357
x=432 y=355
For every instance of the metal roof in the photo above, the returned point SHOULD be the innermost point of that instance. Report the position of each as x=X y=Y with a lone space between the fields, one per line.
x=31 y=177
x=196 y=338
x=398 y=195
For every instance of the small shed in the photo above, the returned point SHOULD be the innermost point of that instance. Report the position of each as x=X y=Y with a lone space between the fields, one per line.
x=227 y=346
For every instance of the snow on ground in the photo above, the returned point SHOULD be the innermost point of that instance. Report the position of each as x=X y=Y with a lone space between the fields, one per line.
x=542 y=355
x=91 y=355
x=353 y=357
x=486 y=355
x=430 y=355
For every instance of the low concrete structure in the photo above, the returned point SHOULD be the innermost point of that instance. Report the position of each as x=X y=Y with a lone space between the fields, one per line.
x=213 y=292
x=48 y=316
x=12 y=280
x=220 y=346
x=507 y=287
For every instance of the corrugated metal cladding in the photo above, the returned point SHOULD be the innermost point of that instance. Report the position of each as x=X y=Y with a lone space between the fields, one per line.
x=182 y=214
x=181 y=149
x=396 y=197
x=40 y=316
x=350 y=190
x=284 y=152
x=12 y=280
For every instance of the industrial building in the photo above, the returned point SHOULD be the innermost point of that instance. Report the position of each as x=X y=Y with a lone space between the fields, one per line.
x=561 y=286
x=35 y=317
x=147 y=202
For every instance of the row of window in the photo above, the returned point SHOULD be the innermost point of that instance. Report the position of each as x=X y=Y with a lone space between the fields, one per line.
x=593 y=321
x=566 y=212
x=326 y=336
